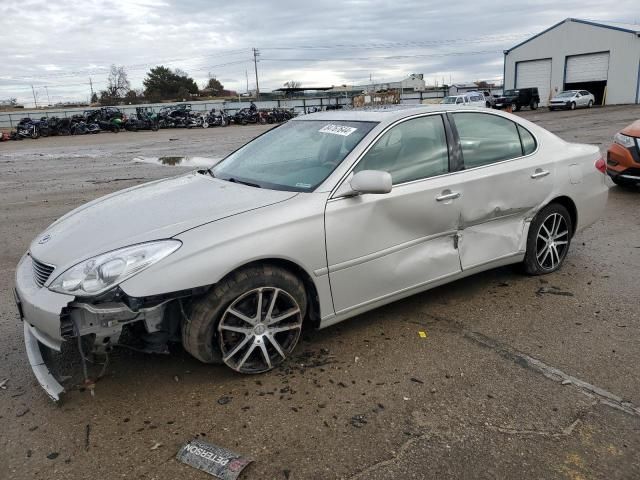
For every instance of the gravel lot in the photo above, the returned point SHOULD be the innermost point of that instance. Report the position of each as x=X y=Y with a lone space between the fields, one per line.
x=369 y=398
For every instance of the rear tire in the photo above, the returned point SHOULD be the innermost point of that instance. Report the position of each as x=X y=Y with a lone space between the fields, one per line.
x=533 y=106
x=245 y=340
x=548 y=240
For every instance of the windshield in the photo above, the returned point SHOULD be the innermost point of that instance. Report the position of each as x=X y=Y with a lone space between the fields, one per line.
x=297 y=156
x=566 y=94
x=511 y=93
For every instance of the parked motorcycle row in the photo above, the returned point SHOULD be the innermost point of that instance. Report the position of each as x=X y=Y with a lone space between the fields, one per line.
x=112 y=119
x=183 y=116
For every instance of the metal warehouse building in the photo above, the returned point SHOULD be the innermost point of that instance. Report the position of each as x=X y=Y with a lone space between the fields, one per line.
x=601 y=57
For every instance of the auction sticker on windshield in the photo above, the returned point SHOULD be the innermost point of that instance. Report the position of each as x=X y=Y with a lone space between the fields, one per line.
x=338 y=130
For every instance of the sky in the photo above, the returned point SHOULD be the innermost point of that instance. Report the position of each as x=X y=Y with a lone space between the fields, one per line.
x=56 y=46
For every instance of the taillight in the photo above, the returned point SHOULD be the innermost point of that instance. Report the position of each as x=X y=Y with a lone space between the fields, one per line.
x=601 y=166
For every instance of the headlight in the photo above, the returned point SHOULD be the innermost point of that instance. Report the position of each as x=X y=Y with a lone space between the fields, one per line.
x=623 y=140
x=99 y=274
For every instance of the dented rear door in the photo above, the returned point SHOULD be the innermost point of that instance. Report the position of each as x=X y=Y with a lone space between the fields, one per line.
x=504 y=183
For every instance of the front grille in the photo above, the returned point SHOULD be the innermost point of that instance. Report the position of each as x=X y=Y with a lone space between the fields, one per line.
x=41 y=271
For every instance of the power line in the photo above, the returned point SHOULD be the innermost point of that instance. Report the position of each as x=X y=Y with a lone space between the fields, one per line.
x=388 y=57
x=417 y=43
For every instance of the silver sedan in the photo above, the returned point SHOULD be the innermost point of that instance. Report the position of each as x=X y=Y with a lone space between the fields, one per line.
x=572 y=99
x=313 y=222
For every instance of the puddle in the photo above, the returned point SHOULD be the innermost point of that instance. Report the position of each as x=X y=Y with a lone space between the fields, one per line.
x=179 y=161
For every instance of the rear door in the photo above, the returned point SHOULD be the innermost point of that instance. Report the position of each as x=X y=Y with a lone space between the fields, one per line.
x=504 y=181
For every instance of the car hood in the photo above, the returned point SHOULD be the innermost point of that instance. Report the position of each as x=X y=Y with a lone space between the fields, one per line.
x=632 y=130
x=151 y=211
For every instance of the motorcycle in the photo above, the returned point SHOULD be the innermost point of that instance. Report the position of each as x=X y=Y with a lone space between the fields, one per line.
x=142 y=120
x=59 y=126
x=194 y=119
x=80 y=126
x=216 y=119
x=107 y=118
x=245 y=116
x=27 y=128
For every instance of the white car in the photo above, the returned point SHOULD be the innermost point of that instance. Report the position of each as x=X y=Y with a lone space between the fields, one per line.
x=471 y=99
x=572 y=99
x=327 y=216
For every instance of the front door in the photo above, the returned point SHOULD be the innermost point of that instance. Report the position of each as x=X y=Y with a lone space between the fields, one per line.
x=504 y=182
x=381 y=245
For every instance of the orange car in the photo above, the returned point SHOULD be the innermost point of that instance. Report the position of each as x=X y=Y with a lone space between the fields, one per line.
x=623 y=156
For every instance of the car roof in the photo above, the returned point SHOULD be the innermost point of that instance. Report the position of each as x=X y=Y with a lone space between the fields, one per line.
x=385 y=113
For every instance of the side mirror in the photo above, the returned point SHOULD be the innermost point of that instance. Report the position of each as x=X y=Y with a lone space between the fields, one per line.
x=371 y=181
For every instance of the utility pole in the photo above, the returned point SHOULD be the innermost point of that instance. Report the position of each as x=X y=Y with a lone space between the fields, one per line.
x=34 y=96
x=246 y=74
x=47 y=90
x=256 y=54
x=91 y=86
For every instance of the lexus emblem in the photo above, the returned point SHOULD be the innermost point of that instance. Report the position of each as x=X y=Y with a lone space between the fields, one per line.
x=45 y=239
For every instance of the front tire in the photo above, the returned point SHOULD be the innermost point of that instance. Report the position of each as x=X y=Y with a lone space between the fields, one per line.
x=590 y=104
x=572 y=106
x=548 y=240
x=251 y=320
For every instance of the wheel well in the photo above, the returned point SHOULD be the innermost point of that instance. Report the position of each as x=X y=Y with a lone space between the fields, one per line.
x=313 y=301
x=567 y=203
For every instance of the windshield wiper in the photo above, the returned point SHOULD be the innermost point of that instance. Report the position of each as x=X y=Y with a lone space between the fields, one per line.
x=235 y=180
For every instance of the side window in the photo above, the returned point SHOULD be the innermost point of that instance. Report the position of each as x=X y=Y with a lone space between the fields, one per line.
x=412 y=150
x=459 y=100
x=486 y=138
x=528 y=142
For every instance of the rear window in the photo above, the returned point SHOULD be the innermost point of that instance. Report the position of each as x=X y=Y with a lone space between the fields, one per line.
x=528 y=142
x=486 y=138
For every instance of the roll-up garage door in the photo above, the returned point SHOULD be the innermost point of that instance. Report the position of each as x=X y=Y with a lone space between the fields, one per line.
x=587 y=68
x=535 y=73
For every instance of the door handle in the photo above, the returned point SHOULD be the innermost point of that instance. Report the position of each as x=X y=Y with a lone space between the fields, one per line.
x=447 y=196
x=540 y=173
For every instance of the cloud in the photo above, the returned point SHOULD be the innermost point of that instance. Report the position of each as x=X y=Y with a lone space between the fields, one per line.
x=64 y=43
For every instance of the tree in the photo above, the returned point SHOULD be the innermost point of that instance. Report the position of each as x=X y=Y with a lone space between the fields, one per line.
x=213 y=86
x=94 y=97
x=117 y=86
x=117 y=82
x=292 y=84
x=162 y=83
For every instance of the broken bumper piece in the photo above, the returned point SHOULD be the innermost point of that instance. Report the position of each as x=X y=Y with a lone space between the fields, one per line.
x=44 y=376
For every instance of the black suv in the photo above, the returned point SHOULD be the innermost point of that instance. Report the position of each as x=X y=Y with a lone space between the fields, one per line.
x=518 y=98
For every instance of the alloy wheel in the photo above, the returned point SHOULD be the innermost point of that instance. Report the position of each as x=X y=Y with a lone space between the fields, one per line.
x=552 y=241
x=259 y=329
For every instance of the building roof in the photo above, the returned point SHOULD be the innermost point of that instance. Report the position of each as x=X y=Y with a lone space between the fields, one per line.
x=623 y=27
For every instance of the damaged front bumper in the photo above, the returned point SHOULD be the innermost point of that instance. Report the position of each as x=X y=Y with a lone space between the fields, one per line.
x=50 y=318
x=44 y=376
x=40 y=310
